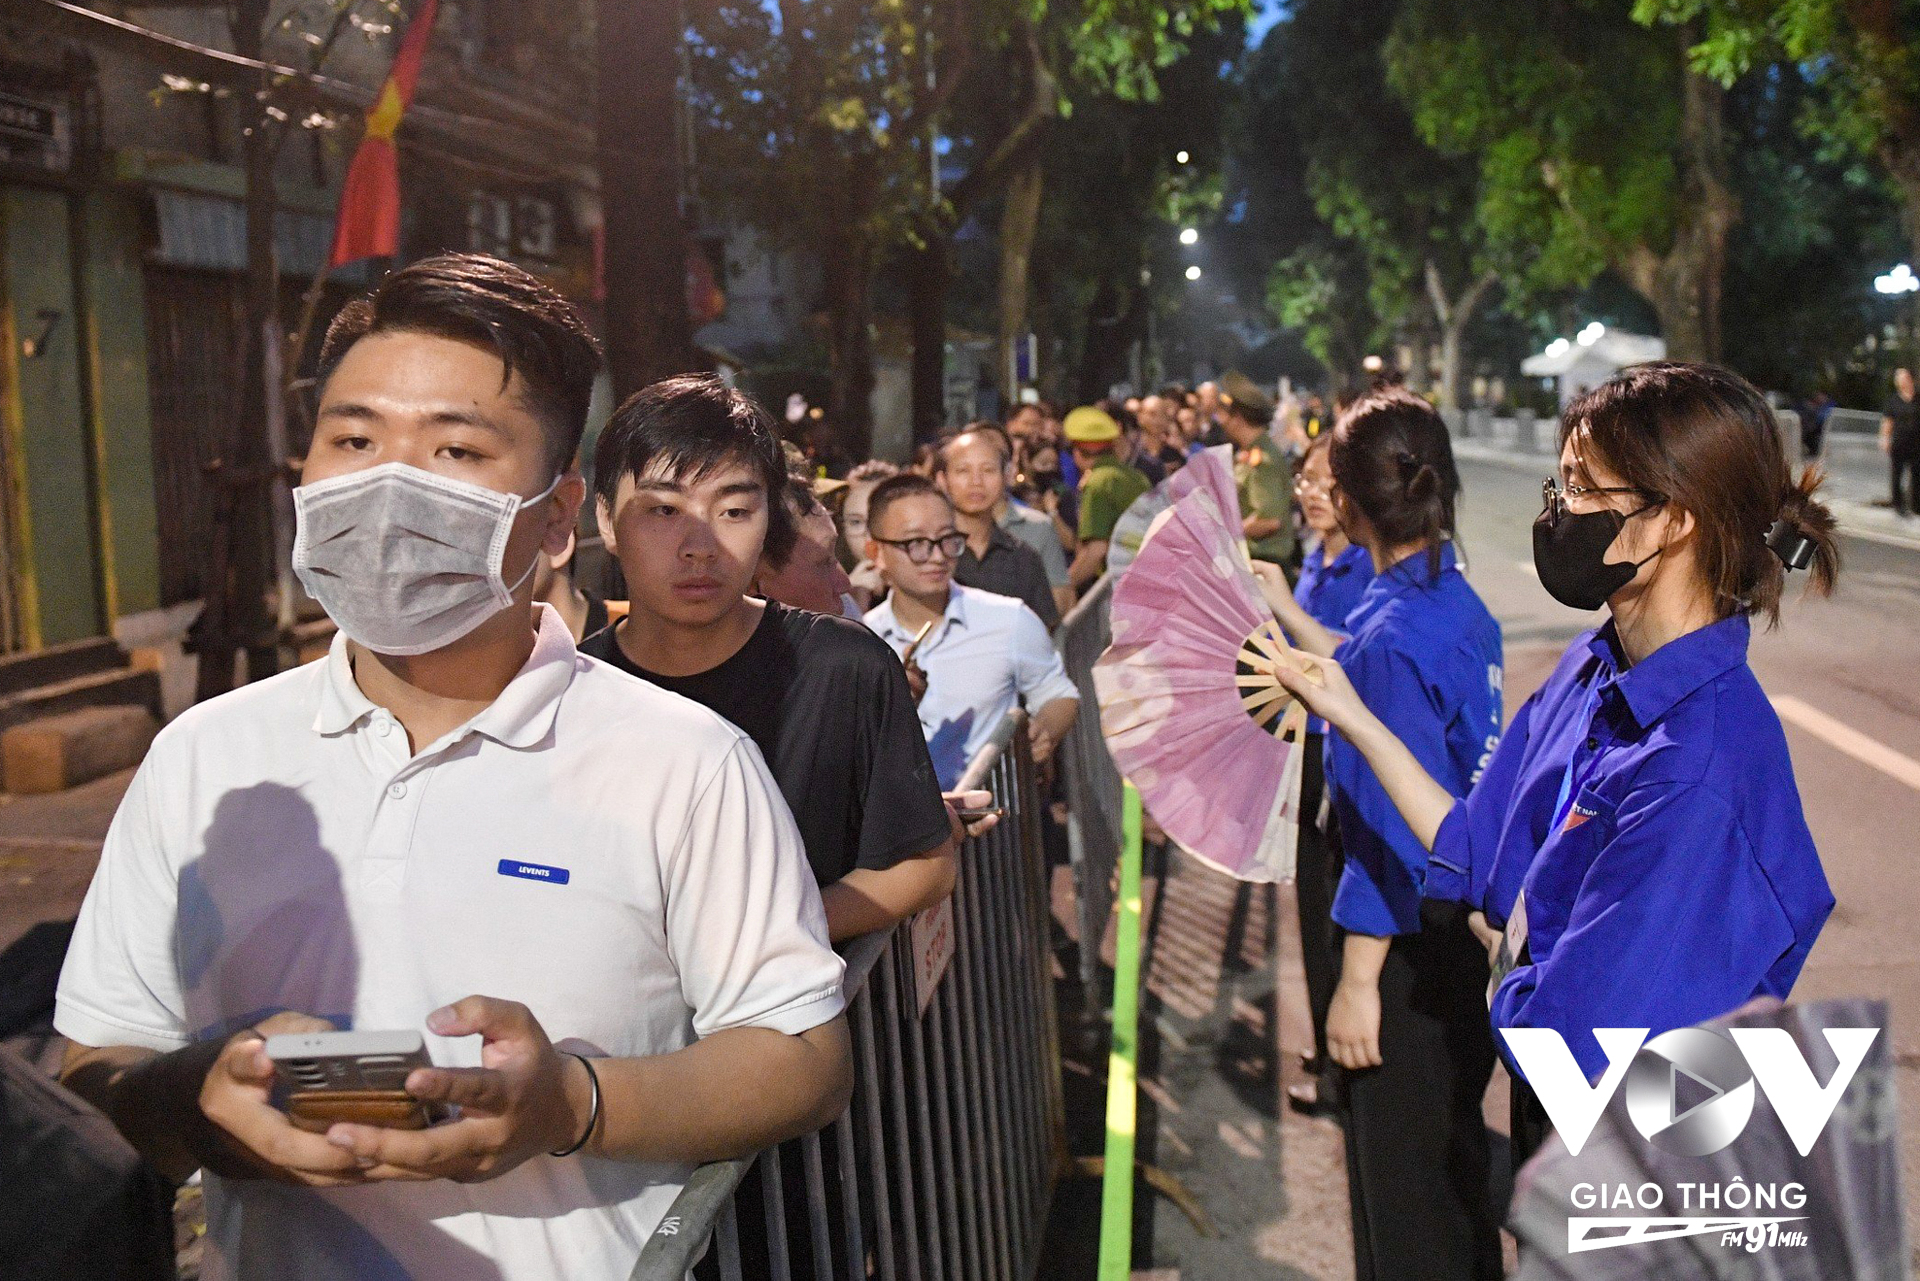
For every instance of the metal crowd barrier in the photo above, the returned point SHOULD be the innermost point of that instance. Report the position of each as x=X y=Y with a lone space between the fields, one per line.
x=1093 y=785
x=943 y=1166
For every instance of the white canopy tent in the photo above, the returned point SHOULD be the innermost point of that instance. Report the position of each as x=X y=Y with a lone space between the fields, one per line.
x=1592 y=356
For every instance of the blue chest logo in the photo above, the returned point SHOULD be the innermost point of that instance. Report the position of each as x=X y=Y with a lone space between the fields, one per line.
x=534 y=871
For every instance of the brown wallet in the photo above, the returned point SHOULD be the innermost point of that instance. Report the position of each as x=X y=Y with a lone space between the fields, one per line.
x=315 y=1110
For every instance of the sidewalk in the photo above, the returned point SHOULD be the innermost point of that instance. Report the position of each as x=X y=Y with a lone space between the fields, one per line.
x=1856 y=480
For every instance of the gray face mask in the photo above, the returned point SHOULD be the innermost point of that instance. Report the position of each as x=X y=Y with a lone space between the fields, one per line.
x=405 y=561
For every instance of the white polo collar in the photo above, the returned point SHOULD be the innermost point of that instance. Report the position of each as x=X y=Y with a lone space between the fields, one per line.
x=520 y=717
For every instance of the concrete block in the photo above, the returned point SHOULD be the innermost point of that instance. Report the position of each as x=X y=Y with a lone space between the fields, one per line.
x=57 y=752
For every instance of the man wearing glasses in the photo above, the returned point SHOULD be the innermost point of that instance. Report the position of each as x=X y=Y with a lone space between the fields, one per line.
x=982 y=654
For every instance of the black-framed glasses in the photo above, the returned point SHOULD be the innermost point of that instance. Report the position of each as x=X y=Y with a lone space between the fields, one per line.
x=920 y=550
x=1554 y=496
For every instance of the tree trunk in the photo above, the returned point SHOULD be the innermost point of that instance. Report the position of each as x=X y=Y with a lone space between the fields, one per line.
x=649 y=334
x=849 y=298
x=928 y=282
x=1454 y=315
x=1419 y=371
x=1019 y=226
x=1684 y=284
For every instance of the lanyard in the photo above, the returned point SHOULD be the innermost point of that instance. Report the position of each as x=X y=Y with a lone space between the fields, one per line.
x=1570 y=782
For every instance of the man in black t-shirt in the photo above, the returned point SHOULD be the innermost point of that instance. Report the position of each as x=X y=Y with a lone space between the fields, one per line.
x=1900 y=442
x=688 y=476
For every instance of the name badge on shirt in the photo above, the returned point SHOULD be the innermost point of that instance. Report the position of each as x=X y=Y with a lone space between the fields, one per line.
x=534 y=871
x=1512 y=942
x=1576 y=815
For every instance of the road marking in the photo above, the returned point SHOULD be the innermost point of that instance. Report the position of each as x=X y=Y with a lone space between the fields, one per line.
x=1845 y=738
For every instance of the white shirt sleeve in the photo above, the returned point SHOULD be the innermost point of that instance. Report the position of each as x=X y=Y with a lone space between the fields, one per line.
x=121 y=981
x=744 y=920
x=1037 y=668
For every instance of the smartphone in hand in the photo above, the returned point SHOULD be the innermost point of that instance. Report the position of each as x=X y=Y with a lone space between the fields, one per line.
x=359 y=1077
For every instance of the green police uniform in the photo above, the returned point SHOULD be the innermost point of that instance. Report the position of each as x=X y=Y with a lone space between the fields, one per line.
x=1265 y=481
x=1108 y=489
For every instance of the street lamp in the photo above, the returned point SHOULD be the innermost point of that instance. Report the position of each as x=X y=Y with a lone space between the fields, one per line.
x=1193 y=272
x=1181 y=157
x=1900 y=280
x=1189 y=235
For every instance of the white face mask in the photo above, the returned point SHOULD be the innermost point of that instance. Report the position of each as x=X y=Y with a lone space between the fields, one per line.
x=405 y=561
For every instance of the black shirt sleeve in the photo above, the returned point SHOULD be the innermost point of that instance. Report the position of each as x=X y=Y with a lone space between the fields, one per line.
x=901 y=812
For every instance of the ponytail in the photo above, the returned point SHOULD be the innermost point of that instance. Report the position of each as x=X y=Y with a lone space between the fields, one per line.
x=1802 y=537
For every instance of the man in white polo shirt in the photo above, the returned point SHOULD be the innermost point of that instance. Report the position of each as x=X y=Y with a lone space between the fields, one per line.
x=587 y=890
x=983 y=654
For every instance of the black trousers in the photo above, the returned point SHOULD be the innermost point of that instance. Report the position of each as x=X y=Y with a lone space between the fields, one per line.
x=1417 y=1154
x=1903 y=455
x=1317 y=873
x=1530 y=1126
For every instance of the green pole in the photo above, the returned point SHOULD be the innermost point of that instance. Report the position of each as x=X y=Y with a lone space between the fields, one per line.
x=1116 y=1192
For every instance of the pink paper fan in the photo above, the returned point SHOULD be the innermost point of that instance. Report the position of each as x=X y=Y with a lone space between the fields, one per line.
x=1210 y=470
x=1188 y=702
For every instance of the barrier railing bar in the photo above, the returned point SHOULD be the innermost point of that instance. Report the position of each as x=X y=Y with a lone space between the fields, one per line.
x=887 y=1005
x=821 y=1237
x=1014 y=1052
x=943 y=1129
x=775 y=1207
x=990 y=1063
x=966 y=975
x=883 y=1240
x=728 y=1233
x=849 y=1170
x=1093 y=787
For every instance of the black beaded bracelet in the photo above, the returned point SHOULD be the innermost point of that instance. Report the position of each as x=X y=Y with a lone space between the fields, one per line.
x=593 y=1112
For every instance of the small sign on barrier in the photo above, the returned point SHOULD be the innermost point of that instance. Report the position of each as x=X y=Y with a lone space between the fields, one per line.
x=932 y=949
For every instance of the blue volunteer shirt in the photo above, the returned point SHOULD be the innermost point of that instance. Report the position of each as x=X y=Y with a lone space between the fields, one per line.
x=1650 y=816
x=1329 y=591
x=1425 y=657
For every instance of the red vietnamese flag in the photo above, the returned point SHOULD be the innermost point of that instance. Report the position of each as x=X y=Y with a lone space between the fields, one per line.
x=368 y=224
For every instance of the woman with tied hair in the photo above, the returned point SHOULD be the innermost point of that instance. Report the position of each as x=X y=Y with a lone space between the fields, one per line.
x=1407 y=1020
x=1637 y=836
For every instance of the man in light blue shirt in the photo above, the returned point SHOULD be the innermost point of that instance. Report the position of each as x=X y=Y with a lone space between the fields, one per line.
x=981 y=656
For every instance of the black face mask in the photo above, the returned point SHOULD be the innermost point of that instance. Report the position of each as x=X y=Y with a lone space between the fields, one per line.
x=1569 y=553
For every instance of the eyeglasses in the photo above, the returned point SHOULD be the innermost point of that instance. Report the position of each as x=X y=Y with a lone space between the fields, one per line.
x=1554 y=497
x=920 y=550
x=1305 y=488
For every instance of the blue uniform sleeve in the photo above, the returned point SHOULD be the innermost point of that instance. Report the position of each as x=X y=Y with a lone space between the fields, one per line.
x=1463 y=849
x=1379 y=892
x=1674 y=923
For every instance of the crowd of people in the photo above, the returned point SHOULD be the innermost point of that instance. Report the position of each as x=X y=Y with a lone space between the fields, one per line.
x=602 y=850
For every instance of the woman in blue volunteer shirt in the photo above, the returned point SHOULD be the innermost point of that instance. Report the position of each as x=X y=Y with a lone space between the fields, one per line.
x=1638 y=834
x=1408 y=1015
x=1333 y=576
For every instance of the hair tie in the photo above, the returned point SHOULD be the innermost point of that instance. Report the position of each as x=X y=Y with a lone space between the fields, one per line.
x=1786 y=540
